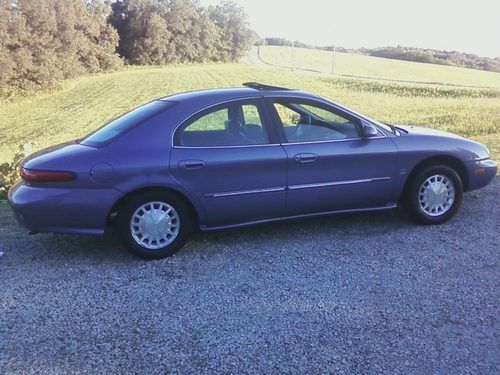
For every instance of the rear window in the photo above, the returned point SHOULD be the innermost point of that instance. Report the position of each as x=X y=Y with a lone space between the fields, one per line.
x=127 y=121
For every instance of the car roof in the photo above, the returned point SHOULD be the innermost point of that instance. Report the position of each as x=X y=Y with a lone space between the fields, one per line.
x=212 y=96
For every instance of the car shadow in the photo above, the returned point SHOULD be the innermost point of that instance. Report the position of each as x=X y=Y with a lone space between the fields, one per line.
x=109 y=249
x=353 y=223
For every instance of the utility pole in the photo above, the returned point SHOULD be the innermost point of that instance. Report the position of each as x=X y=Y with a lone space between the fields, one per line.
x=293 y=54
x=333 y=60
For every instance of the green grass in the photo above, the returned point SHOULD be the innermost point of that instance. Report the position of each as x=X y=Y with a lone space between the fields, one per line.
x=379 y=68
x=83 y=104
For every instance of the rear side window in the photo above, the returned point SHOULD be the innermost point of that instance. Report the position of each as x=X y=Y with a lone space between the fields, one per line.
x=126 y=122
x=231 y=124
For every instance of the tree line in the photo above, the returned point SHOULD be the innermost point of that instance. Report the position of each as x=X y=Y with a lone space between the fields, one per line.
x=44 y=41
x=431 y=56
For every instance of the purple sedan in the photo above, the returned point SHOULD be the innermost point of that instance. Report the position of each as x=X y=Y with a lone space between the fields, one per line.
x=231 y=157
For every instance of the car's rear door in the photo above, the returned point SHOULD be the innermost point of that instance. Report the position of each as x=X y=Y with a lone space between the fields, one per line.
x=330 y=166
x=228 y=156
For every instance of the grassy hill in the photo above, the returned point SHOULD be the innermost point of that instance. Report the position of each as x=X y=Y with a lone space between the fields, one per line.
x=81 y=105
x=379 y=68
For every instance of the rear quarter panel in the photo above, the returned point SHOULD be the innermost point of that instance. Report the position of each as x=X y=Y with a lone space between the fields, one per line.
x=141 y=157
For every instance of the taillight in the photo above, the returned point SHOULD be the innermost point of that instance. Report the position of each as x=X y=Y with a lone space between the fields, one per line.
x=34 y=175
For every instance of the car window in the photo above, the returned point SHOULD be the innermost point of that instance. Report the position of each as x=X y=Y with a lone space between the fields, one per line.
x=232 y=124
x=324 y=114
x=251 y=115
x=288 y=116
x=125 y=122
x=213 y=121
x=310 y=122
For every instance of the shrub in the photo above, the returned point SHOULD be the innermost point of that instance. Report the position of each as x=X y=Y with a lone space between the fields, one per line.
x=9 y=171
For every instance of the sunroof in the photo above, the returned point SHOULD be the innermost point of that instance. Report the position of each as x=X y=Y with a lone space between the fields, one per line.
x=261 y=86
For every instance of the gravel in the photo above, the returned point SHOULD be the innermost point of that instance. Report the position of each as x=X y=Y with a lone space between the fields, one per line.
x=366 y=293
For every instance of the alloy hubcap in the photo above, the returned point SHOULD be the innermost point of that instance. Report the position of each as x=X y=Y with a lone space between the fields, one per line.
x=436 y=195
x=155 y=225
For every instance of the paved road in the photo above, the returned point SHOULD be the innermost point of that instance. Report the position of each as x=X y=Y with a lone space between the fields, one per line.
x=253 y=57
x=369 y=293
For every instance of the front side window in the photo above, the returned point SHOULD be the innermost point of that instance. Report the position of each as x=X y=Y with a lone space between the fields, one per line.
x=231 y=124
x=313 y=122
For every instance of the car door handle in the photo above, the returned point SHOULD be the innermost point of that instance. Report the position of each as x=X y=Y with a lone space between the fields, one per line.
x=306 y=158
x=191 y=164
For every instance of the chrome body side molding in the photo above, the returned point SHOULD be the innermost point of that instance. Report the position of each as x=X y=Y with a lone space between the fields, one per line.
x=294 y=187
x=334 y=183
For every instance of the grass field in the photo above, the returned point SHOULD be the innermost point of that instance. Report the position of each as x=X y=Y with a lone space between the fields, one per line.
x=81 y=105
x=378 y=68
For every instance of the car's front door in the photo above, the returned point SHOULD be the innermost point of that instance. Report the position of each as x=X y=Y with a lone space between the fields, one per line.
x=228 y=156
x=330 y=165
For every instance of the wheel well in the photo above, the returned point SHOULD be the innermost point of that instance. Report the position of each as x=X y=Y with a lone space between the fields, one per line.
x=116 y=207
x=450 y=161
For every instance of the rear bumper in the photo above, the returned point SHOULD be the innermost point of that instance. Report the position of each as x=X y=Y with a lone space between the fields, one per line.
x=78 y=211
x=481 y=173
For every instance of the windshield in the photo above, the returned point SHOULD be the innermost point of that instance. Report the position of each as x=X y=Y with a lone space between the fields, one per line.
x=125 y=122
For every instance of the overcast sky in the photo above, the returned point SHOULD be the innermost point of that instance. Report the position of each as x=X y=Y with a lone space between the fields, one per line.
x=462 y=25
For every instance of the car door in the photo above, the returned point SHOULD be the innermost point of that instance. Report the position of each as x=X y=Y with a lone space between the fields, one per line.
x=229 y=157
x=330 y=165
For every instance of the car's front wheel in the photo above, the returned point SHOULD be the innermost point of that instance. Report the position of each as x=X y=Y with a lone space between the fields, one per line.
x=435 y=194
x=154 y=225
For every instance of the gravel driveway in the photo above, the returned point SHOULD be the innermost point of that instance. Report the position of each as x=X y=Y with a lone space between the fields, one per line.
x=366 y=293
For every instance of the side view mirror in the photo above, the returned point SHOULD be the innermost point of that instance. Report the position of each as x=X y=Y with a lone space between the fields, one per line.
x=369 y=130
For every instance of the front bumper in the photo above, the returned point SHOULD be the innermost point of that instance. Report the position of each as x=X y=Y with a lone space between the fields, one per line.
x=78 y=211
x=481 y=173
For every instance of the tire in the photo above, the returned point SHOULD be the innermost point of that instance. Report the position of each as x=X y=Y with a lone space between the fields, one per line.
x=144 y=218
x=424 y=205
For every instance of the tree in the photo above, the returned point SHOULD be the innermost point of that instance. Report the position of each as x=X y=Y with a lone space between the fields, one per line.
x=147 y=33
x=142 y=27
x=7 y=39
x=44 y=41
x=193 y=35
x=177 y=31
x=98 y=39
x=48 y=40
x=231 y=20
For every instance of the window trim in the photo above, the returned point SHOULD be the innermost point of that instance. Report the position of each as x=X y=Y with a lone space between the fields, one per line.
x=255 y=100
x=330 y=141
x=232 y=146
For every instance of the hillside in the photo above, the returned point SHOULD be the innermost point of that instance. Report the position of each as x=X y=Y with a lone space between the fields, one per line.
x=349 y=64
x=80 y=105
x=417 y=54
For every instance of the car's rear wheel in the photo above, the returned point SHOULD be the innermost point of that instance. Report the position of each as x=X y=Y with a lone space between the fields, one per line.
x=154 y=225
x=435 y=194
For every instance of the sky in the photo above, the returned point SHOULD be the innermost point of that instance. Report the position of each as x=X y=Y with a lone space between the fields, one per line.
x=463 y=25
